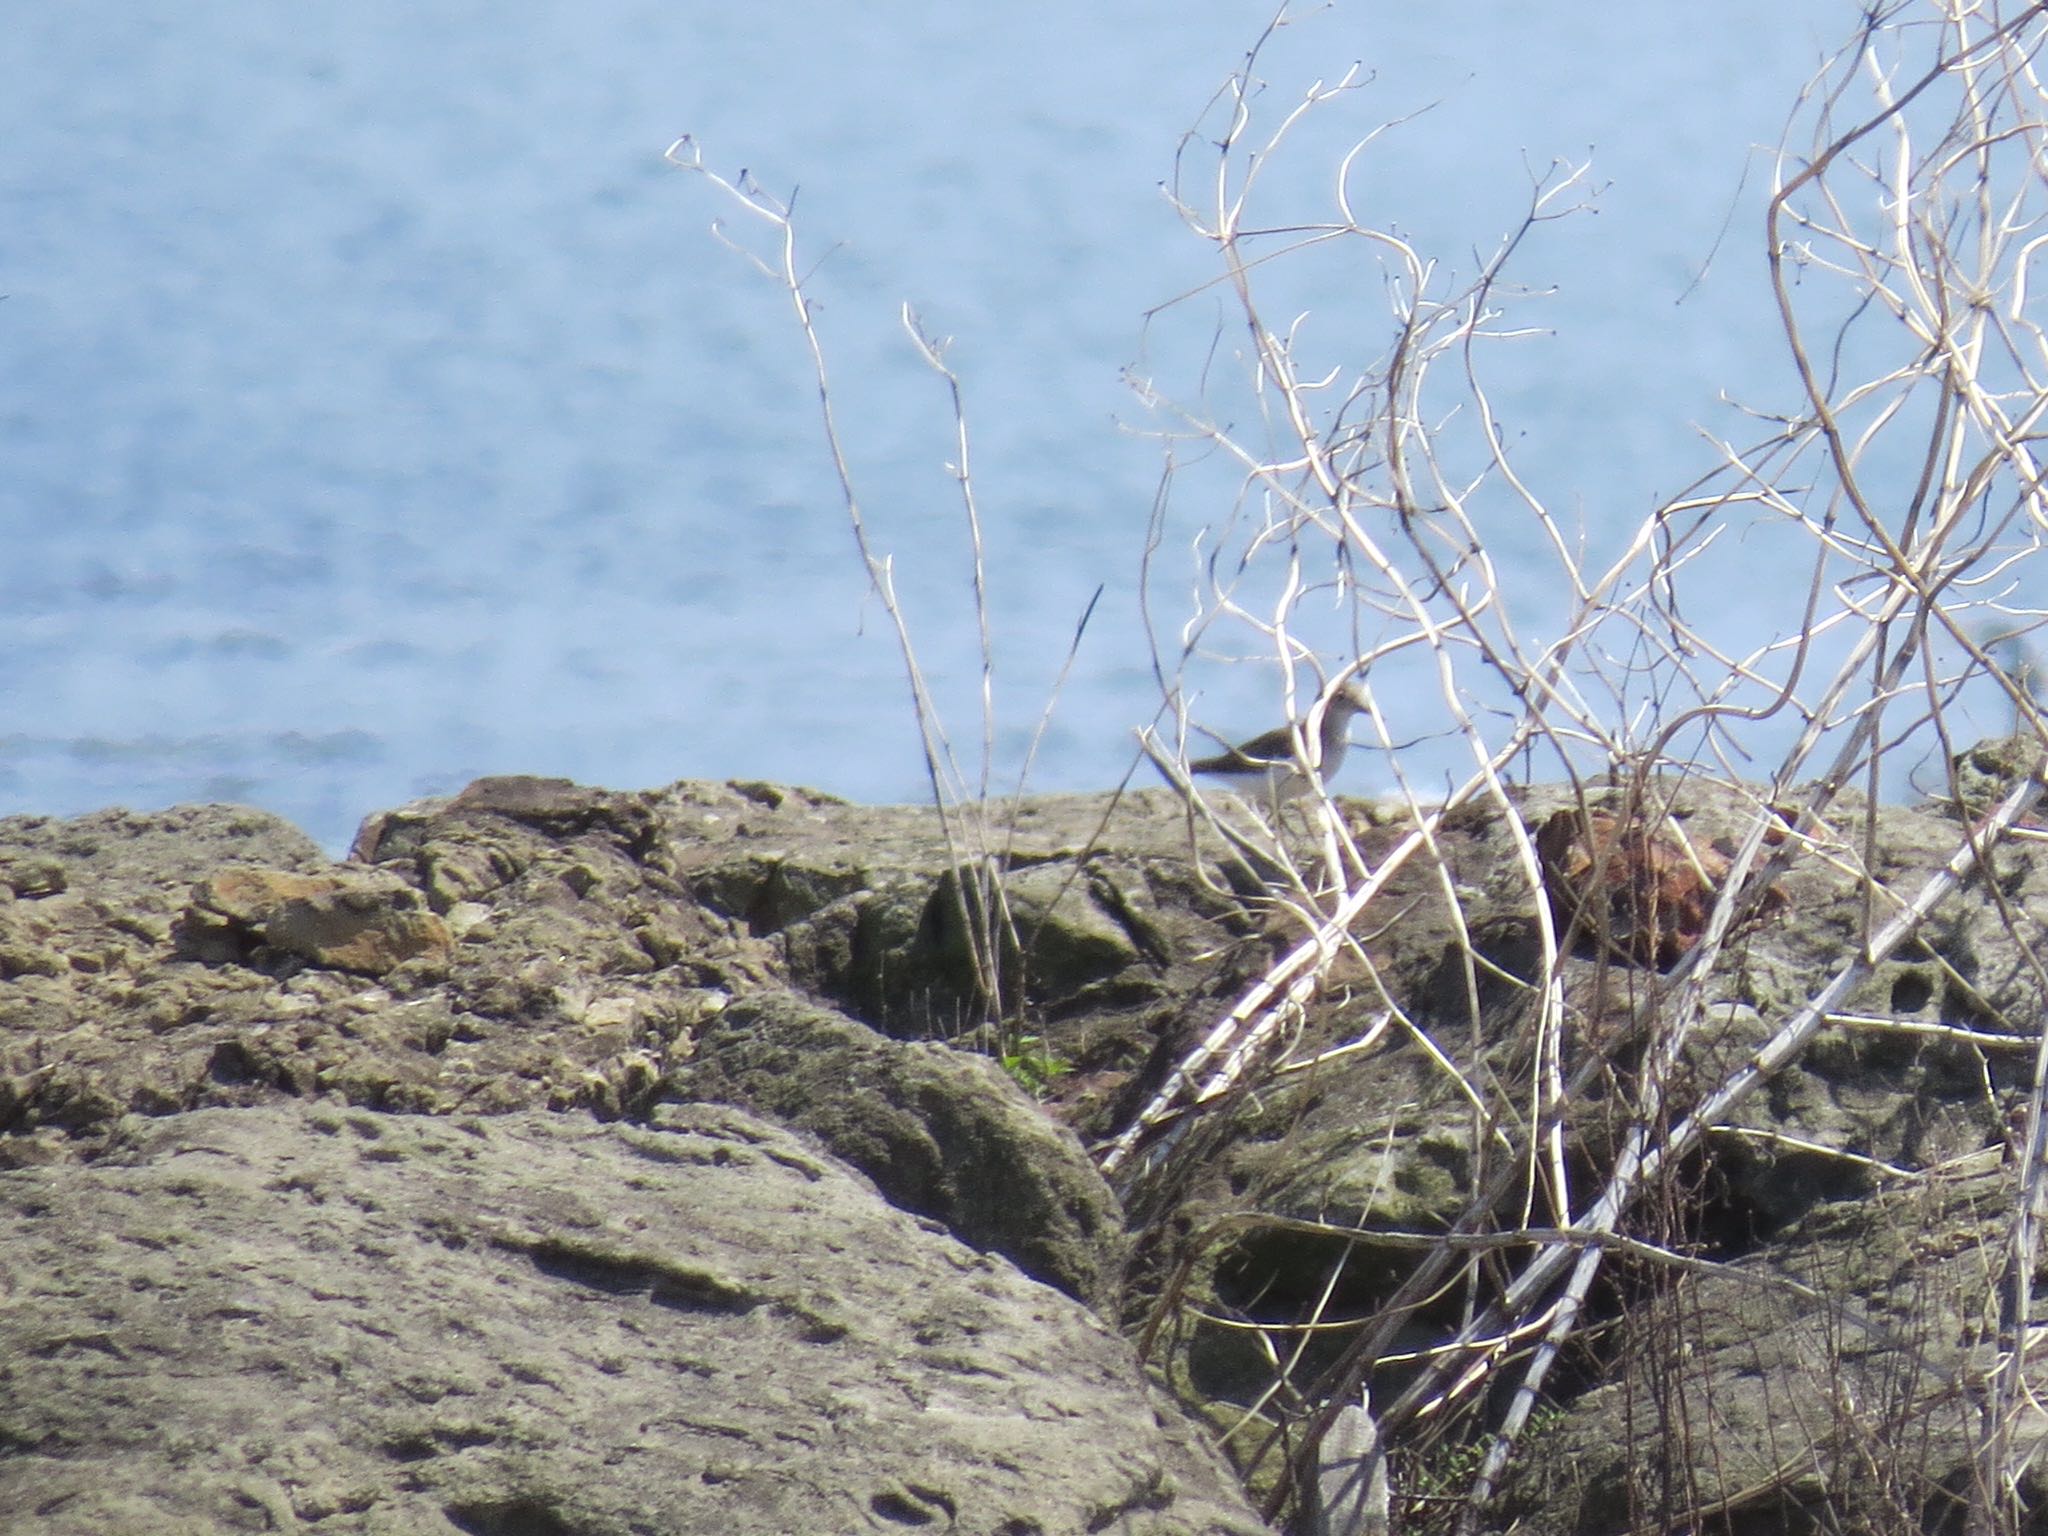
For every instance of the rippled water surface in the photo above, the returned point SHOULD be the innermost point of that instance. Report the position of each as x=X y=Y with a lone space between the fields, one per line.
x=377 y=409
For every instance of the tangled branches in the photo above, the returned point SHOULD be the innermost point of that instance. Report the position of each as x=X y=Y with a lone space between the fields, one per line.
x=1901 y=238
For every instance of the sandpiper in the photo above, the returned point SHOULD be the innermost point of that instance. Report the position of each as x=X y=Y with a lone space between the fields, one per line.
x=1277 y=765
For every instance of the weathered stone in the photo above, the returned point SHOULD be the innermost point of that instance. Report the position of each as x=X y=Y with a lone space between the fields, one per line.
x=276 y=1319
x=175 y=847
x=127 y=994
x=621 y=953
x=1821 y=1383
x=1099 y=918
x=361 y=921
x=944 y=1133
x=31 y=876
x=557 y=808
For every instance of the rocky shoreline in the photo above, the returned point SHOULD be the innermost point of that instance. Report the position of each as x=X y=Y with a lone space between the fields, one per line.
x=571 y=1161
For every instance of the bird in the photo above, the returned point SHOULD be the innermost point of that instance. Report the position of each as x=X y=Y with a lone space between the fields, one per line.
x=1275 y=766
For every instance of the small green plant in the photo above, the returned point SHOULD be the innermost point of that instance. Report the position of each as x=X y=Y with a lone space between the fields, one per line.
x=1033 y=1066
x=1437 y=1482
x=1449 y=1471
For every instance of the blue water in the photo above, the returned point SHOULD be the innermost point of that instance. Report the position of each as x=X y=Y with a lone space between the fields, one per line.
x=377 y=409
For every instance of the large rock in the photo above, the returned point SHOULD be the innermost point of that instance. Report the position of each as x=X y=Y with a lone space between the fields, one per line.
x=287 y=1318
x=1109 y=910
x=846 y=971
x=1831 y=1381
x=1310 y=1198
x=396 y=1323
x=515 y=949
x=532 y=943
x=943 y=1133
x=369 y=923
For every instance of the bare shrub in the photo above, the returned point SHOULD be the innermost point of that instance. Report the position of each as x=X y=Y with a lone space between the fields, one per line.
x=1902 y=236
x=1599 y=1074
x=978 y=834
